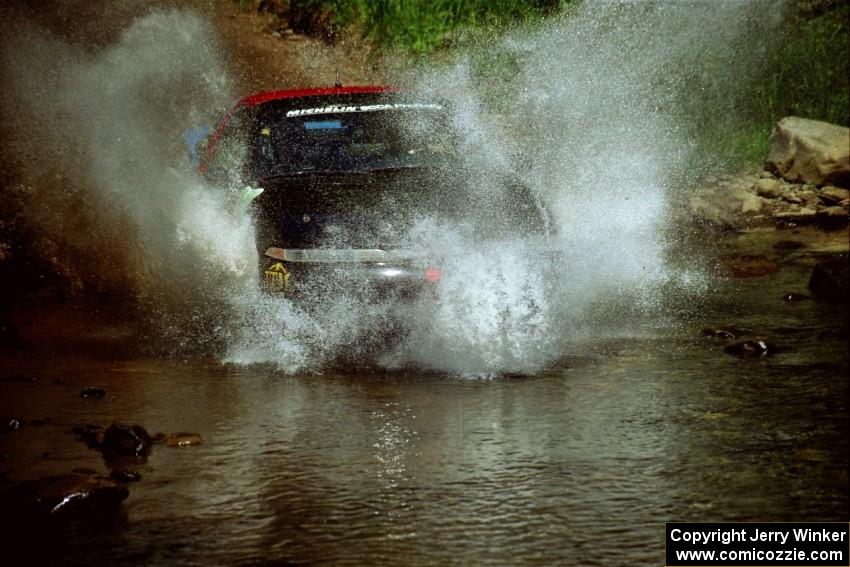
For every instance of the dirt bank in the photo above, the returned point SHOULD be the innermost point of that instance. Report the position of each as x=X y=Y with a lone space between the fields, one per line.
x=265 y=56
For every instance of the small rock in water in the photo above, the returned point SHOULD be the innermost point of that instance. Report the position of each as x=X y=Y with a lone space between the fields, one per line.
x=830 y=279
x=9 y=424
x=750 y=266
x=792 y=297
x=757 y=346
x=126 y=440
x=91 y=392
x=727 y=332
x=63 y=495
x=788 y=245
x=181 y=439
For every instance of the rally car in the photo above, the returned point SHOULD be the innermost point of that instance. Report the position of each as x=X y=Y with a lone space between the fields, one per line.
x=337 y=177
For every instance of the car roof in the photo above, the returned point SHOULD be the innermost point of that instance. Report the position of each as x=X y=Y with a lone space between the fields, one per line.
x=260 y=98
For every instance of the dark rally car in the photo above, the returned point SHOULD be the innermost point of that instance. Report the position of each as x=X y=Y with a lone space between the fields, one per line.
x=337 y=177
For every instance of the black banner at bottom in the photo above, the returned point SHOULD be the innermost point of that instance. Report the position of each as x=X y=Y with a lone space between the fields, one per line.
x=803 y=544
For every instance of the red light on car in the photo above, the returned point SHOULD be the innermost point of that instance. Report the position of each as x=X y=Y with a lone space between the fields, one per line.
x=433 y=274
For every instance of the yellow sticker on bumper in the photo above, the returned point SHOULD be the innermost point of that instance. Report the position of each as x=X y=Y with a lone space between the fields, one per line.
x=276 y=278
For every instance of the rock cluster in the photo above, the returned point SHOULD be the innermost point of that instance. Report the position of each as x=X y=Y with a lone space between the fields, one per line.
x=805 y=180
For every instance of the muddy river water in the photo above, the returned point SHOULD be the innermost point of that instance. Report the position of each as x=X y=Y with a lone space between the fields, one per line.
x=579 y=465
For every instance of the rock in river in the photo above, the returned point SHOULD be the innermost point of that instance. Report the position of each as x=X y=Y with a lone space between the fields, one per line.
x=179 y=439
x=63 y=495
x=91 y=392
x=9 y=424
x=757 y=346
x=126 y=440
x=831 y=279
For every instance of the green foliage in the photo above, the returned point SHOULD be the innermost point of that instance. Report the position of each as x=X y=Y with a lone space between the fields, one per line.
x=416 y=25
x=804 y=73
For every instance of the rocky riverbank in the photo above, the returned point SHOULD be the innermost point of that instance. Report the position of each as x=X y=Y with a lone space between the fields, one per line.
x=804 y=181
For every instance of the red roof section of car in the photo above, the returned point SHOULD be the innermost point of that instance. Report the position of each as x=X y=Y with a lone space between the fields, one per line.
x=260 y=98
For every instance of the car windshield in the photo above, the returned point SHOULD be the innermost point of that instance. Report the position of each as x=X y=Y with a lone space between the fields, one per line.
x=353 y=138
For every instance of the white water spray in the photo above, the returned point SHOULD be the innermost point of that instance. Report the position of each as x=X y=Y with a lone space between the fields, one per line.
x=585 y=116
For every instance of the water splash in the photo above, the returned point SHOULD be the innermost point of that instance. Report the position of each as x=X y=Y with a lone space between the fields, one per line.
x=587 y=111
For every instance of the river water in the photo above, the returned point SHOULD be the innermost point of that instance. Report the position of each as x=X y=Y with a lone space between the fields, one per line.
x=580 y=464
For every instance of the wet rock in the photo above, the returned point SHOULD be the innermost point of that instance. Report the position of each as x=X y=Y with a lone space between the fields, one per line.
x=794 y=297
x=9 y=424
x=725 y=332
x=121 y=439
x=125 y=476
x=91 y=392
x=830 y=279
x=769 y=188
x=803 y=150
x=749 y=266
x=181 y=439
x=63 y=496
x=831 y=194
x=757 y=346
x=788 y=245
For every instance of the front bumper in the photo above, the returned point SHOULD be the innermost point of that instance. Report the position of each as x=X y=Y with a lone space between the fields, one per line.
x=317 y=272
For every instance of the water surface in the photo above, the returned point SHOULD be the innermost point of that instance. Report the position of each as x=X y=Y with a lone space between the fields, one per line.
x=579 y=465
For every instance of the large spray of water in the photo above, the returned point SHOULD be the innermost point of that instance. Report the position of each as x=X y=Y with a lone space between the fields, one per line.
x=586 y=111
